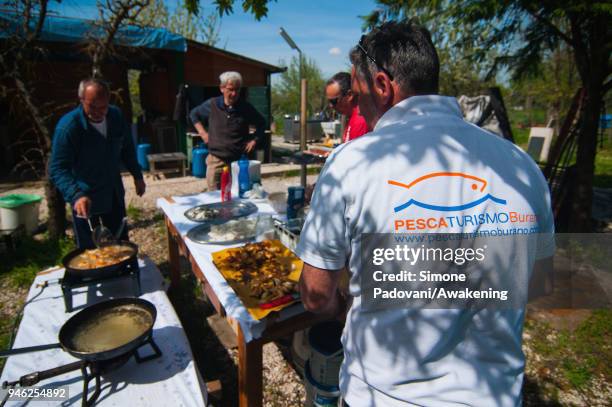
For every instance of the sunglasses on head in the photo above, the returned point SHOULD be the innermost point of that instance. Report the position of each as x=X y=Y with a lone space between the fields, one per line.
x=380 y=67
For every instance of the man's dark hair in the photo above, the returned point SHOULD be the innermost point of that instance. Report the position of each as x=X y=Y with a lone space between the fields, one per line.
x=343 y=79
x=402 y=49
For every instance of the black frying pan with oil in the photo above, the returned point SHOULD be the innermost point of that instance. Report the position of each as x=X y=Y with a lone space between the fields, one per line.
x=103 y=331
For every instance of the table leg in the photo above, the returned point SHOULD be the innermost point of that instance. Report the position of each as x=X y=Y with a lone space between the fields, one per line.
x=249 y=372
x=173 y=257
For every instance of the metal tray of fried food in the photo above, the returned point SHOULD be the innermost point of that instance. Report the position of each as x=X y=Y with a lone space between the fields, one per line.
x=229 y=232
x=220 y=212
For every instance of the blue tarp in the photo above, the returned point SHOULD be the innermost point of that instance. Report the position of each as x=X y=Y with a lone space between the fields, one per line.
x=64 y=29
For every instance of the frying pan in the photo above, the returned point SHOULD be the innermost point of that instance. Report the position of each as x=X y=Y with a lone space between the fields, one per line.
x=98 y=272
x=77 y=323
x=83 y=318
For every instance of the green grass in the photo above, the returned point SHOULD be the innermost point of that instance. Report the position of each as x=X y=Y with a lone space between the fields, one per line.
x=296 y=173
x=521 y=125
x=603 y=164
x=30 y=257
x=579 y=355
x=20 y=267
x=134 y=213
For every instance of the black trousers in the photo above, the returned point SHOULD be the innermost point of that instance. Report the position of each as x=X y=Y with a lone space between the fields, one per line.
x=112 y=220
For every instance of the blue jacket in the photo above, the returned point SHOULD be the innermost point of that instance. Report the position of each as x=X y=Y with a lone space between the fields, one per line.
x=85 y=163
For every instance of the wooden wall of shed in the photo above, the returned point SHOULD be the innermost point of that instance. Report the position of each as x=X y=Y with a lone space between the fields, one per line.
x=203 y=67
x=58 y=83
x=54 y=91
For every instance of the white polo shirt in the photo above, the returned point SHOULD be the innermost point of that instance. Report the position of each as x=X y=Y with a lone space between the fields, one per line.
x=435 y=357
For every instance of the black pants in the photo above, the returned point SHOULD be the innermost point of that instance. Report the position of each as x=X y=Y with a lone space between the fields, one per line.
x=112 y=220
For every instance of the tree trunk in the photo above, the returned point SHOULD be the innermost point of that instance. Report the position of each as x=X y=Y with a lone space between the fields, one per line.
x=592 y=59
x=580 y=221
x=56 y=225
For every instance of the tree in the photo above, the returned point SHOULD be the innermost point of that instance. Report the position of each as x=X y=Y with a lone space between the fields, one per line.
x=259 y=8
x=113 y=15
x=198 y=26
x=19 y=49
x=550 y=89
x=286 y=94
x=516 y=34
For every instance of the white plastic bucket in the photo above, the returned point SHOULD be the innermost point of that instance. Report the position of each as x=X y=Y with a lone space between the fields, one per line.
x=318 y=395
x=300 y=351
x=326 y=352
x=19 y=209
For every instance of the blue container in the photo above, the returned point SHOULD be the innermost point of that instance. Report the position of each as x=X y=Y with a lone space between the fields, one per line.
x=141 y=154
x=244 y=180
x=198 y=165
x=295 y=201
x=605 y=121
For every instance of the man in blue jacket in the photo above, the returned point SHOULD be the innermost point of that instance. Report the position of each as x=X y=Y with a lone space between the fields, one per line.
x=89 y=144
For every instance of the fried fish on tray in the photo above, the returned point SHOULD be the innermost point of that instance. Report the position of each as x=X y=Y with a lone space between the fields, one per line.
x=264 y=268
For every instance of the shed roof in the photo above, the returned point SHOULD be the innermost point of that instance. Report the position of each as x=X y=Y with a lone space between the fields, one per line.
x=266 y=66
x=66 y=29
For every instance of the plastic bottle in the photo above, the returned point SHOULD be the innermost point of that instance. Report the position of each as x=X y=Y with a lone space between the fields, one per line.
x=295 y=201
x=226 y=184
x=244 y=181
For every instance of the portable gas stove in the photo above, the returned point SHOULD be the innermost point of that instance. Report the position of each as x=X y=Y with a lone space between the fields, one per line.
x=91 y=370
x=72 y=280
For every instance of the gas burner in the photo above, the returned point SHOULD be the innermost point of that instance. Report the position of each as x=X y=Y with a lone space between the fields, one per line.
x=91 y=370
x=71 y=281
x=97 y=369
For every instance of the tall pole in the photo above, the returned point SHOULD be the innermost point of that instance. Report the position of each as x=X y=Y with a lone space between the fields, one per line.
x=303 y=110
x=304 y=92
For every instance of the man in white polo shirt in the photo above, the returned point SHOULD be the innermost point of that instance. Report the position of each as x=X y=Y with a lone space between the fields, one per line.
x=422 y=169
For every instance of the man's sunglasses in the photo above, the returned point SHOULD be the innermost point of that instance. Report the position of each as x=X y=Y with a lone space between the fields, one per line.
x=334 y=101
x=380 y=67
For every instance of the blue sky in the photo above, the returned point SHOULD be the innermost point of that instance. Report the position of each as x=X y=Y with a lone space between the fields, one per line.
x=324 y=30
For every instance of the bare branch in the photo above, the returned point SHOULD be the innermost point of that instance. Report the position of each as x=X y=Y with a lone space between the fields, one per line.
x=41 y=19
x=606 y=87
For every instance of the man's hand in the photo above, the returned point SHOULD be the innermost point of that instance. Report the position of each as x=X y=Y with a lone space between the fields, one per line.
x=202 y=132
x=250 y=146
x=81 y=206
x=140 y=186
x=319 y=291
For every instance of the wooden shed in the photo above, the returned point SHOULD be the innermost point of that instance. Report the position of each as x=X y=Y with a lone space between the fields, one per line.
x=198 y=72
x=164 y=62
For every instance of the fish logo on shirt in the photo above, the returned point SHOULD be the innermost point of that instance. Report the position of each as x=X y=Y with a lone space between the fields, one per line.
x=476 y=189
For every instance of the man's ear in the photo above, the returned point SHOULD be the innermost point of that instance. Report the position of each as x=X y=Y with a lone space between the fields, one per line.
x=383 y=89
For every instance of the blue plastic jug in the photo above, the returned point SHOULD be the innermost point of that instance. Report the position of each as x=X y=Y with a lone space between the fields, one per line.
x=244 y=180
x=198 y=165
x=141 y=154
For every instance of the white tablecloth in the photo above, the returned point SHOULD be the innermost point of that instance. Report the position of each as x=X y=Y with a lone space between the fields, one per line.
x=252 y=329
x=171 y=380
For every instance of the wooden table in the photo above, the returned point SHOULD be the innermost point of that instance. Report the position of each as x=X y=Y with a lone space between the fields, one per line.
x=249 y=353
